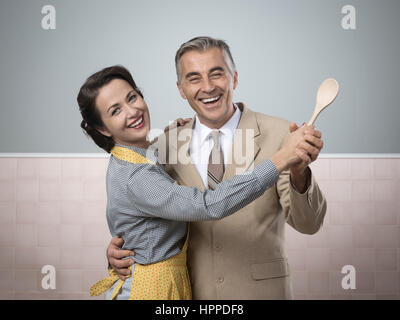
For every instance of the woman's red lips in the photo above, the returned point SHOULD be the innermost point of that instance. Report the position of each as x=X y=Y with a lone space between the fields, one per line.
x=135 y=120
x=141 y=125
x=139 y=121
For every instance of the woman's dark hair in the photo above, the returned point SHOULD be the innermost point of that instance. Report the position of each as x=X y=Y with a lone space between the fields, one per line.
x=87 y=102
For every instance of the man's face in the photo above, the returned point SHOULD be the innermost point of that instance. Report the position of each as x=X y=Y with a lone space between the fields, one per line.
x=207 y=83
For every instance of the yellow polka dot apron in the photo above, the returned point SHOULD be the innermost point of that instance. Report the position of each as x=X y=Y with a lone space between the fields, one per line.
x=164 y=280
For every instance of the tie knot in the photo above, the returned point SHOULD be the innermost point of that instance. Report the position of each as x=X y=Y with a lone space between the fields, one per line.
x=215 y=136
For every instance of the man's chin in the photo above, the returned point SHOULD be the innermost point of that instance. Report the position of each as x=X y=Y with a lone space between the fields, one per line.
x=212 y=113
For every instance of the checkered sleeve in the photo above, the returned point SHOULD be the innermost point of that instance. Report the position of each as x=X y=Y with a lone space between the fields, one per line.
x=155 y=194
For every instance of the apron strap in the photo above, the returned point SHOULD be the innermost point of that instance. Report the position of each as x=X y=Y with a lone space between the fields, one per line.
x=105 y=284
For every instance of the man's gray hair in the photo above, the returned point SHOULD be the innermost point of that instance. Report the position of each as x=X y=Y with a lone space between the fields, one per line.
x=203 y=44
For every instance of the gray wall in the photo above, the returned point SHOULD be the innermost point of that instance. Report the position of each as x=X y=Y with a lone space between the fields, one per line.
x=283 y=50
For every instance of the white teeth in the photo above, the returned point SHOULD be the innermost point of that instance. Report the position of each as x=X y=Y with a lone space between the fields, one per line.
x=136 y=123
x=210 y=99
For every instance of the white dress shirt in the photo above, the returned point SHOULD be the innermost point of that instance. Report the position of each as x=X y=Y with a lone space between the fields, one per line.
x=202 y=143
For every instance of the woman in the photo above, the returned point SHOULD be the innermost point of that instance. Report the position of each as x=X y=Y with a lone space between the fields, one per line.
x=145 y=206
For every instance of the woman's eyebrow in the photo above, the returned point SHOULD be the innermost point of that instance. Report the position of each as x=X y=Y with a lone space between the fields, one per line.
x=116 y=104
x=129 y=93
x=113 y=106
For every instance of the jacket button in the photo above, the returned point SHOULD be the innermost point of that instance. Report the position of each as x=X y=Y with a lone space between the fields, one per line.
x=220 y=279
x=218 y=247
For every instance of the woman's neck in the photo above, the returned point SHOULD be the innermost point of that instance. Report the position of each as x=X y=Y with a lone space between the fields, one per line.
x=139 y=144
x=143 y=145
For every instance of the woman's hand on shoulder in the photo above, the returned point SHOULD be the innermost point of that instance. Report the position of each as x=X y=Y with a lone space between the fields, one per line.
x=177 y=123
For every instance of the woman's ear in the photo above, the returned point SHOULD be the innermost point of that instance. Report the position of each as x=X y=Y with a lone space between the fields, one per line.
x=104 y=132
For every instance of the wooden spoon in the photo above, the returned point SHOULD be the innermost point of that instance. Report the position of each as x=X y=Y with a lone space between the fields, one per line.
x=327 y=92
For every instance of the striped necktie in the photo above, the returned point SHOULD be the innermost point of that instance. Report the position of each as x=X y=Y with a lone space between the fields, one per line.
x=215 y=162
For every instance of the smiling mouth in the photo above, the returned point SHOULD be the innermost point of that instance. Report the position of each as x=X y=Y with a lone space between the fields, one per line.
x=209 y=101
x=137 y=124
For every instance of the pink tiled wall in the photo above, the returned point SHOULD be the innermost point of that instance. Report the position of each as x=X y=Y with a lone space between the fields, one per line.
x=52 y=213
x=361 y=228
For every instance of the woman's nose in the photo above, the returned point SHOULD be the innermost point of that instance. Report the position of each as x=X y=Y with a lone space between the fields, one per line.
x=131 y=111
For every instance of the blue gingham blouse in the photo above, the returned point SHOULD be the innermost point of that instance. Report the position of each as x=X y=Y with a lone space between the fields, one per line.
x=149 y=210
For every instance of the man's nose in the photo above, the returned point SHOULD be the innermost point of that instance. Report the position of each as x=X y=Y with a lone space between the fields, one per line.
x=207 y=86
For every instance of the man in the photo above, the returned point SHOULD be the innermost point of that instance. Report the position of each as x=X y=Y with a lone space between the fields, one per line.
x=241 y=256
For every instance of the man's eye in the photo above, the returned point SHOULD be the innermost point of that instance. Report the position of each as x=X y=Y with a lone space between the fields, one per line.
x=216 y=75
x=194 y=79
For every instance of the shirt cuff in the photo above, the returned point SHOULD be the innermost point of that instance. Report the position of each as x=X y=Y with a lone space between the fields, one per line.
x=266 y=173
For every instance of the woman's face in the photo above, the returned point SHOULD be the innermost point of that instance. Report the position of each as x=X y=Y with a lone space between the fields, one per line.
x=124 y=113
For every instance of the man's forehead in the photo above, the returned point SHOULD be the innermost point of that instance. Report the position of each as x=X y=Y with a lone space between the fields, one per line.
x=207 y=59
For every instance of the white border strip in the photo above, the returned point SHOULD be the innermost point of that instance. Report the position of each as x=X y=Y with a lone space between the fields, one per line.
x=106 y=155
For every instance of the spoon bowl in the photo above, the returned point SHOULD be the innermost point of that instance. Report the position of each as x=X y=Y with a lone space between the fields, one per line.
x=327 y=92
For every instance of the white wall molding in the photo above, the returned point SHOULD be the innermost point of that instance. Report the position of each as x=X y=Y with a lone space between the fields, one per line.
x=106 y=155
x=360 y=155
x=54 y=155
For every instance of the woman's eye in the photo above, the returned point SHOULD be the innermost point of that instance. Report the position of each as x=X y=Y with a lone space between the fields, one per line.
x=132 y=97
x=115 y=111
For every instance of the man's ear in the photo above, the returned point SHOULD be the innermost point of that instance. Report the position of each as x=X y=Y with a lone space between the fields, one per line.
x=181 y=90
x=104 y=132
x=235 y=80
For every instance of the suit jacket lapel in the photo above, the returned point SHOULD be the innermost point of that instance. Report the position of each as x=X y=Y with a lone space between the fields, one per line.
x=243 y=154
x=184 y=167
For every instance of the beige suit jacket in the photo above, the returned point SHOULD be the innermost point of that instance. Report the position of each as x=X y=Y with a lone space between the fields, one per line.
x=243 y=256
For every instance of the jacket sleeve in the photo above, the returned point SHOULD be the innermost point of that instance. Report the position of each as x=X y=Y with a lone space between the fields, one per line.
x=155 y=194
x=305 y=212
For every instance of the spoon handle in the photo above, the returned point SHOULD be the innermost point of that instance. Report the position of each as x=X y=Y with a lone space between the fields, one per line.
x=313 y=118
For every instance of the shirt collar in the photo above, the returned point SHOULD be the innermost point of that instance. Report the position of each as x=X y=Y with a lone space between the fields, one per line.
x=202 y=131
x=150 y=153
x=231 y=125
